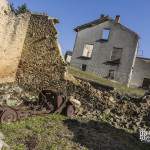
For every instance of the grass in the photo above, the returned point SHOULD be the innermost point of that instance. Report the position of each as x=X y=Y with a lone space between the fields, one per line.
x=53 y=132
x=92 y=77
x=41 y=133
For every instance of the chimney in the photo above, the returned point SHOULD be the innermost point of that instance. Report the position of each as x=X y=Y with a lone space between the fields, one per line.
x=117 y=19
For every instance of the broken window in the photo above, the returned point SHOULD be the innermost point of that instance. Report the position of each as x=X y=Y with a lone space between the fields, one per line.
x=87 y=51
x=116 y=53
x=84 y=67
x=105 y=34
x=111 y=74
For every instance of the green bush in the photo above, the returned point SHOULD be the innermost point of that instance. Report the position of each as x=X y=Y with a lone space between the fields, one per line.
x=20 y=10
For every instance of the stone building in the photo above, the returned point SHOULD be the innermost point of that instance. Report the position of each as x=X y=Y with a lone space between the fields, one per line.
x=141 y=73
x=109 y=49
x=29 y=52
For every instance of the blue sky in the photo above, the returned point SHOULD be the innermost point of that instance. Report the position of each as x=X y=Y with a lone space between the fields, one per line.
x=135 y=14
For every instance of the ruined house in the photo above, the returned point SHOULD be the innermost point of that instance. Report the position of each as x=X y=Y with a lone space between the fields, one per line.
x=109 y=49
x=29 y=52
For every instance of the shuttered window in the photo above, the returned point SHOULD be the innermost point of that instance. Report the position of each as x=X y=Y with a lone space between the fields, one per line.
x=87 y=51
x=116 y=53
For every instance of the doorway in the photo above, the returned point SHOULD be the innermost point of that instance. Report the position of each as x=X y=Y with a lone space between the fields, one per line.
x=146 y=83
x=83 y=67
x=111 y=74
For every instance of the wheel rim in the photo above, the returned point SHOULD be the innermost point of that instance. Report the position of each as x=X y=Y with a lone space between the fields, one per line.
x=8 y=116
x=59 y=101
x=70 y=110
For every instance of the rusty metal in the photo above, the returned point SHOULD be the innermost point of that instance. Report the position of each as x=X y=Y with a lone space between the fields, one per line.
x=8 y=115
x=70 y=110
x=49 y=102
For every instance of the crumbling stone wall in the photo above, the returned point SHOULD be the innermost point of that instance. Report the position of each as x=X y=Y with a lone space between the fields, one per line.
x=41 y=62
x=12 y=34
x=30 y=56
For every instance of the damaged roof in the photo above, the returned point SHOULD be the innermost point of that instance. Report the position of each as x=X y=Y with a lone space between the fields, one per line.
x=102 y=20
x=92 y=23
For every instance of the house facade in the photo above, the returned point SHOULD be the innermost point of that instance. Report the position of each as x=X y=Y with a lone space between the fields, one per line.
x=107 y=48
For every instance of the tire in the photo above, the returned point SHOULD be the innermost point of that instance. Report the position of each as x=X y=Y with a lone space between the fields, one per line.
x=9 y=115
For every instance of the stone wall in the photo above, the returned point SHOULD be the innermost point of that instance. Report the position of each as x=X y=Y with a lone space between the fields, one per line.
x=12 y=34
x=30 y=56
x=41 y=62
x=29 y=52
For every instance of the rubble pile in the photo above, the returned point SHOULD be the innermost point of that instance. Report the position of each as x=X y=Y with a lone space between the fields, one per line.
x=121 y=111
x=12 y=95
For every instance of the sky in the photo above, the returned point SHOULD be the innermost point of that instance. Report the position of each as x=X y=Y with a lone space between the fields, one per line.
x=135 y=14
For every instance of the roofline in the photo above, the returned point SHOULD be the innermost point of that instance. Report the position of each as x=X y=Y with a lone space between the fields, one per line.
x=99 y=21
x=128 y=29
x=92 y=23
x=143 y=58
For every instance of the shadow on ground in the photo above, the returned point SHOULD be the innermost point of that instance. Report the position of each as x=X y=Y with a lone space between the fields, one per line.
x=101 y=136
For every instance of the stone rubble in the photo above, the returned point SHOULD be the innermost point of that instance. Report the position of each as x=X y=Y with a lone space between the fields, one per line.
x=121 y=111
x=13 y=95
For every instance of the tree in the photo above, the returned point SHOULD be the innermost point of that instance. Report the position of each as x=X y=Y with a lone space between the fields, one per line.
x=12 y=8
x=22 y=9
